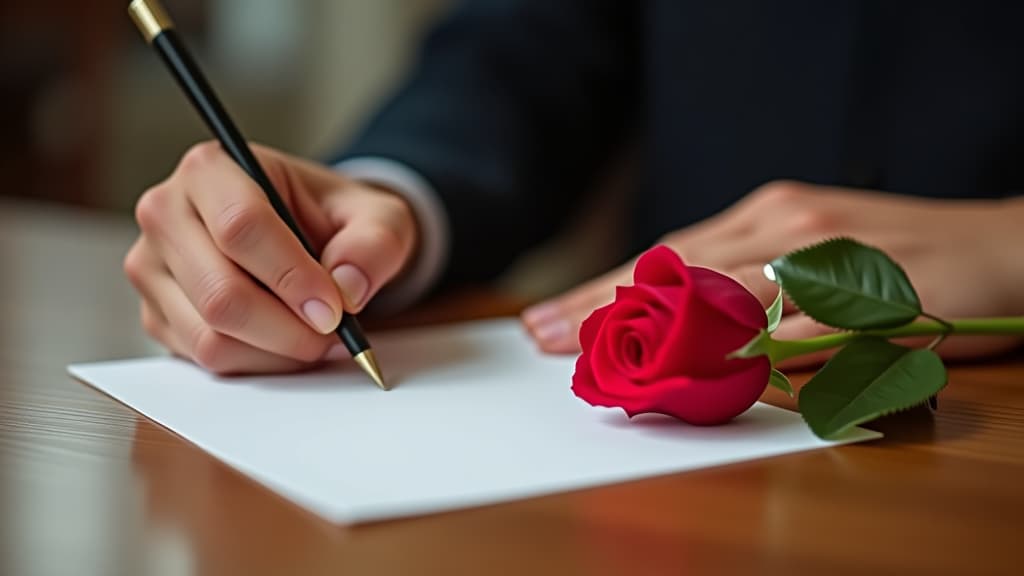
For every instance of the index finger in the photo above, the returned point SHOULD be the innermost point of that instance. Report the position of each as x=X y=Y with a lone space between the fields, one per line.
x=246 y=229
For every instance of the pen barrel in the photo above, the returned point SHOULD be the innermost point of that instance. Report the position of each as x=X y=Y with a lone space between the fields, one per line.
x=192 y=81
x=351 y=334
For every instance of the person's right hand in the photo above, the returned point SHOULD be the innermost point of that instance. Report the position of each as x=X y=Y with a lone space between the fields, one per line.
x=210 y=237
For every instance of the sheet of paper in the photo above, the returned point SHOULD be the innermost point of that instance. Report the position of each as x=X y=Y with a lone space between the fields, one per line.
x=477 y=416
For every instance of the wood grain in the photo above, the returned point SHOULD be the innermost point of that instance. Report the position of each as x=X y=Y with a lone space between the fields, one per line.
x=87 y=487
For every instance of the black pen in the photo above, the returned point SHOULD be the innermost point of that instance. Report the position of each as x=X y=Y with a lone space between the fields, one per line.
x=158 y=30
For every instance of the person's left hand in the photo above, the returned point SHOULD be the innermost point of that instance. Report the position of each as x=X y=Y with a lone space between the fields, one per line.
x=960 y=255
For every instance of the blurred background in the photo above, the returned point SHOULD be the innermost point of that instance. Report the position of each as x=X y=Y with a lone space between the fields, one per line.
x=91 y=118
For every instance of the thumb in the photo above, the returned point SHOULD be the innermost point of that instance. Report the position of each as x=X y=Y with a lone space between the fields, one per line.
x=372 y=248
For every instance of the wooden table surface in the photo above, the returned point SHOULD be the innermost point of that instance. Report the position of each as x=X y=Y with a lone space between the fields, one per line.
x=88 y=487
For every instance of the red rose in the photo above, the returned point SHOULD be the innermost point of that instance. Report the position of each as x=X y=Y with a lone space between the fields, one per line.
x=661 y=346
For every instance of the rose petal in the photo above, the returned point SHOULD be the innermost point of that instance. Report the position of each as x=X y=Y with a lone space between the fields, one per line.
x=697 y=343
x=632 y=347
x=712 y=315
x=648 y=338
x=591 y=325
x=645 y=312
x=703 y=333
x=584 y=386
x=610 y=375
x=644 y=301
x=597 y=373
x=662 y=345
x=661 y=266
x=611 y=348
x=584 y=382
x=704 y=402
x=725 y=294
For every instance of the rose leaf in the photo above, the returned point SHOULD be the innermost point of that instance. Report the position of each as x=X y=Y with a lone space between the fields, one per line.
x=847 y=285
x=868 y=378
x=780 y=381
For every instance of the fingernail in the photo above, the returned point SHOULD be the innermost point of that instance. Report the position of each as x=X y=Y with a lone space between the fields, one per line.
x=541 y=313
x=353 y=285
x=336 y=352
x=320 y=316
x=551 y=331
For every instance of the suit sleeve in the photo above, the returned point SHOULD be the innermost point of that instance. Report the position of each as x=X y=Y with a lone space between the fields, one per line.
x=510 y=114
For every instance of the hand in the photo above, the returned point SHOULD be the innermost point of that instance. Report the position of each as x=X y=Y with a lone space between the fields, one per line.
x=958 y=254
x=209 y=234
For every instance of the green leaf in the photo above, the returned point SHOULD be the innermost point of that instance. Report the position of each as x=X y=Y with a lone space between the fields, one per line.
x=759 y=345
x=868 y=378
x=845 y=284
x=774 y=312
x=779 y=380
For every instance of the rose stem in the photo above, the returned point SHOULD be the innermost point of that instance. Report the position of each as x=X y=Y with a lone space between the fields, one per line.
x=785 y=349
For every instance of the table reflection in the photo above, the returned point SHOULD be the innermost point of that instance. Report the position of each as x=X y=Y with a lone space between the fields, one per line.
x=227 y=523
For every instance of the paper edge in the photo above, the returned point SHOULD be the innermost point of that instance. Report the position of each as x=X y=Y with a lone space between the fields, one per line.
x=355 y=515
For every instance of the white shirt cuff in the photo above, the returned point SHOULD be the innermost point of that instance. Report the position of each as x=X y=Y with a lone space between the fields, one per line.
x=430 y=215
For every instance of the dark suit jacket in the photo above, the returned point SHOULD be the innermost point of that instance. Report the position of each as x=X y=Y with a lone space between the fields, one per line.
x=517 y=105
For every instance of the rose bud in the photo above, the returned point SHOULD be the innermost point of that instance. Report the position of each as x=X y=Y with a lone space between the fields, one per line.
x=661 y=346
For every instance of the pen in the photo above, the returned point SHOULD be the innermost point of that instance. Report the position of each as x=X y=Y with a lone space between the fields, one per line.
x=158 y=30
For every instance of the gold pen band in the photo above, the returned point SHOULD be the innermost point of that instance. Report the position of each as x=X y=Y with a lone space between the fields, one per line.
x=150 y=18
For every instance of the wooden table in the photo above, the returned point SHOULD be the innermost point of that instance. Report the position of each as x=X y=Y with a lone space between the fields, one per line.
x=88 y=487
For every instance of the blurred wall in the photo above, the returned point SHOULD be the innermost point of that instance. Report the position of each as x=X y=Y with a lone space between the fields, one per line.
x=54 y=69
x=89 y=115
x=296 y=75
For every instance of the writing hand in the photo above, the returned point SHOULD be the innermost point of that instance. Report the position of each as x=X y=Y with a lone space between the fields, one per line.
x=208 y=234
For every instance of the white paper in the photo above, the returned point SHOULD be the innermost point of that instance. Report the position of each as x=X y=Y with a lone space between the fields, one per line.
x=477 y=416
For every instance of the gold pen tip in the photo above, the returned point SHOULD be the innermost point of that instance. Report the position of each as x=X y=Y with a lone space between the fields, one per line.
x=150 y=18
x=368 y=362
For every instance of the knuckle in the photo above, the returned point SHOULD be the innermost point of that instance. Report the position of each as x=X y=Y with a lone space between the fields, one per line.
x=209 y=349
x=811 y=221
x=238 y=226
x=150 y=323
x=151 y=207
x=199 y=156
x=780 y=191
x=385 y=239
x=398 y=210
x=132 y=264
x=221 y=303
